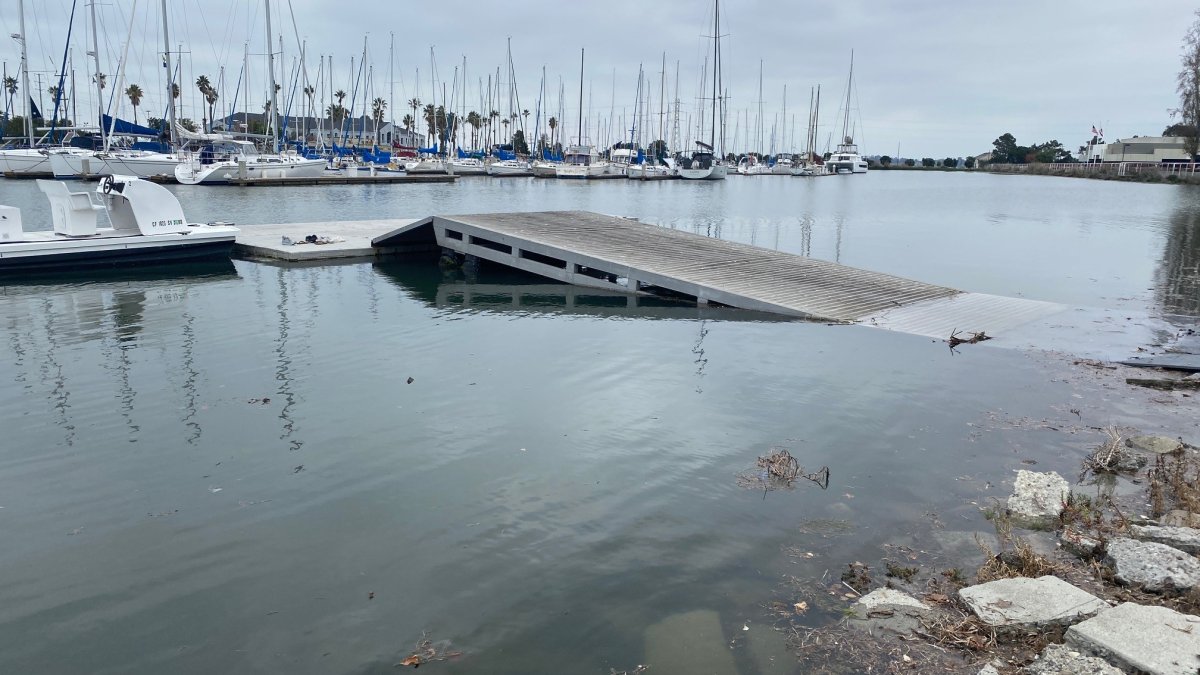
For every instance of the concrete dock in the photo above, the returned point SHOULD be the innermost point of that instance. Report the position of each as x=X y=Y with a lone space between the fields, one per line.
x=351 y=239
x=624 y=255
x=361 y=179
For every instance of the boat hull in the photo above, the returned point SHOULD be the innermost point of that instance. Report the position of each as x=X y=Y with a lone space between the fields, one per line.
x=716 y=172
x=25 y=163
x=222 y=173
x=544 y=170
x=110 y=255
x=506 y=168
x=67 y=165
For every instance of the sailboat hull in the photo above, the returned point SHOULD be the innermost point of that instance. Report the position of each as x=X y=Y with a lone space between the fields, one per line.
x=715 y=172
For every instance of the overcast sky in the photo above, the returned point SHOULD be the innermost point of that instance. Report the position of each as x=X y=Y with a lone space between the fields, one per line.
x=934 y=77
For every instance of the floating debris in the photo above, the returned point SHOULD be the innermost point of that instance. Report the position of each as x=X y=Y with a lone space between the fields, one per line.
x=780 y=469
x=974 y=338
x=427 y=651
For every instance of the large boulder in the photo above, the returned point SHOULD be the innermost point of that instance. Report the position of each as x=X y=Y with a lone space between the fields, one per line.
x=1186 y=539
x=1144 y=639
x=1037 y=499
x=1030 y=603
x=1153 y=566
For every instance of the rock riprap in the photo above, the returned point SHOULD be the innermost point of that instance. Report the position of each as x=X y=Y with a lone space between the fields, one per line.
x=1030 y=603
x=1152 y=566
x=1154 y=640
x=1037 y=499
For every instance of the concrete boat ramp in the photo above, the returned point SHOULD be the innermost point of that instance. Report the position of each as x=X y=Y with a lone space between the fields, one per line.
x=623 y=255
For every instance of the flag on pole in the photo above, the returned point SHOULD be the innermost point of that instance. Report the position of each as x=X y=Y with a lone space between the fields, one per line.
x=1094 y=133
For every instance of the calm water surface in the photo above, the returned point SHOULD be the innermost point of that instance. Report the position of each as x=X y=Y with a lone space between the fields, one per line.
x=214 y=472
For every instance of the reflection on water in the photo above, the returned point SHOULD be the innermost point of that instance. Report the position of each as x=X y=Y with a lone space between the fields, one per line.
x=1178 y=287
x=560 y=474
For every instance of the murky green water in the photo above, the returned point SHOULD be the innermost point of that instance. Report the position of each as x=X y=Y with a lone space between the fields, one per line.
x=559 y=476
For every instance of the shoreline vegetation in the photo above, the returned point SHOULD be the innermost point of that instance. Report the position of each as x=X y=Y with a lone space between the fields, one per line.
x=1133 y=174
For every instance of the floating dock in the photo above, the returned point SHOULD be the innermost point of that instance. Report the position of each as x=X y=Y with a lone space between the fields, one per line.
x=361 y=179
x=347 y=239
x=619 y=254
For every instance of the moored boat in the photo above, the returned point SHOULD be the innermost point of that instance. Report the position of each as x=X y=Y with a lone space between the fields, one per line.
x=146 y=225
x=230 y=160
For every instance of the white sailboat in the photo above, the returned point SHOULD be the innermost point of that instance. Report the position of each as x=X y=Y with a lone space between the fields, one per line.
x=581 y=160
x=845 y=158
x=223 y=160
x=704 y=164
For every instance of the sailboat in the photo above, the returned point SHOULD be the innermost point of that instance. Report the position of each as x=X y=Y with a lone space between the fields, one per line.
x=581 y=160
x=32 y=161
x=122 y=161
x=224 y=160
x=704 y=164
x=846 y=158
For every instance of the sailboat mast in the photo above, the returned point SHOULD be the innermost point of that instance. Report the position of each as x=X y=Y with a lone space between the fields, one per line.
x=849 y=84
x=170 y=77
x=716 y=66
x=95 y=77
x=581 y=96
x=271 y=70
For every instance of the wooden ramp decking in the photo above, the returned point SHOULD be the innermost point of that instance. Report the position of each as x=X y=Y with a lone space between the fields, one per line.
x=615 y=253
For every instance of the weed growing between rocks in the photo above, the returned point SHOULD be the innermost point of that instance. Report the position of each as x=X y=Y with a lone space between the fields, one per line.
x=1174 y=484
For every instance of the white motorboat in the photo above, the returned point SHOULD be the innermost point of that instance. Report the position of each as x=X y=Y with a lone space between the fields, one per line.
x=648 y=171
x=544 y=168
x=118 y=162
x=510 y=167
x=427 y=164
x=582 y=161
x=146 y=225
x=466 y=166
x=751 y=166
x=229 y=160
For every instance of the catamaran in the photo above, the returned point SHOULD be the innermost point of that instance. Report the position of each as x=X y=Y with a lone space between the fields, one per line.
x=845 y=158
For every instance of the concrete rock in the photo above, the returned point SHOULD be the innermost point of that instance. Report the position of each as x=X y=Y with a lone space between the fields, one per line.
x=1153 y=640
x=1154 y=567
x=885 y=610
x=989 y=669
x=889 y=598
x=1185 y=539
x=1037 y=499
x=1158 y=445
x=1062 y=660
x=1180 y=518
x=1027 y=603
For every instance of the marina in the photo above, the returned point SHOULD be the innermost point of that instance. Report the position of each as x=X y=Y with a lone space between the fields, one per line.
x=519 y=339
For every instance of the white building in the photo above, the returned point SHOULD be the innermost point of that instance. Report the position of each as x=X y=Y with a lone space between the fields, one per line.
x=1147 y=149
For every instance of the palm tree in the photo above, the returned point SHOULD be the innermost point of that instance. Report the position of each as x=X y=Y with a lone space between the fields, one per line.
x=174 y=90
x=492 y=117
x=414 y=103
x=553 y=124
x=336 y=113
x=103 y=78
x=475 y=120
x=53 y=91
x=135 y=94
x=408 y=122
x=210 y=96
x=10 y=86
x=378 y=107
x=430 y=120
